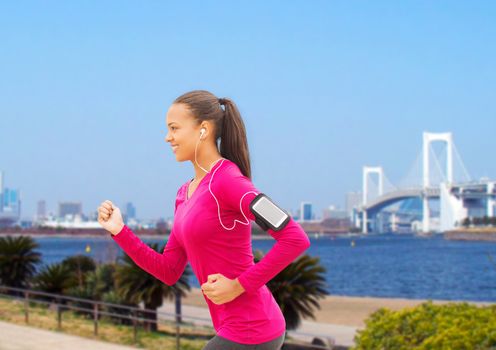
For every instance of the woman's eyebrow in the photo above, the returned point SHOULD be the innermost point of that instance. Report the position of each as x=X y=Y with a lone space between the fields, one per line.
x=171 y=123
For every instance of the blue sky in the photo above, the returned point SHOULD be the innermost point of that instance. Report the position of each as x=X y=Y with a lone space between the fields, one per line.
x=324 y=87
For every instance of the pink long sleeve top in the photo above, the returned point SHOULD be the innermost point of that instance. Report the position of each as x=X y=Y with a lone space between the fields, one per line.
x=198 y=237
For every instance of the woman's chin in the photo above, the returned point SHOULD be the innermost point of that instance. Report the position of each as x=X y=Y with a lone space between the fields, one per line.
x=179 y=158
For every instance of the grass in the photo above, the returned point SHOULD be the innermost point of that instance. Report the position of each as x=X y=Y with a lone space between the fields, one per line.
x=41 y=316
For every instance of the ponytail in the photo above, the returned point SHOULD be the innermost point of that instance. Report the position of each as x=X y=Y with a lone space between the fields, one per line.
x=229 y=126
x=233 y=141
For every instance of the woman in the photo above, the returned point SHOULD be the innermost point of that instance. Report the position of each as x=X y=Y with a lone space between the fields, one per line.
x=212 y=228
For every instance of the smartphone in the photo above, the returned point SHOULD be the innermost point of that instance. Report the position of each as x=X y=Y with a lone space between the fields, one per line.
x=268 y=214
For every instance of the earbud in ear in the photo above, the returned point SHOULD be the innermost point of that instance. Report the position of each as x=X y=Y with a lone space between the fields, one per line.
x=202 y=131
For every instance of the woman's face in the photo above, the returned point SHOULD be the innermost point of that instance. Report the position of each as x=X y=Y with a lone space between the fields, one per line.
x=183 y=132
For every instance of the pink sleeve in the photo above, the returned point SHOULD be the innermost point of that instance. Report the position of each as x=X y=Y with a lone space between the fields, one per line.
x=167 y=267
x=291 y=241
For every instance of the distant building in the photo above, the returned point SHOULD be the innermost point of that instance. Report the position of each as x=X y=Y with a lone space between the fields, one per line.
x=306 y=211
x=26 y=224
x=336 y=223
x=10 y=204
x=41 y=211
x=161 y=224
x=130 y=214
x=353 y=200
x=333 y=212
x=70 y=208
x=92 y=216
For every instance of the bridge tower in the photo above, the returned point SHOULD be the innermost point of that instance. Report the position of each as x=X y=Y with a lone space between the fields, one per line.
x=429 y=138
x=367 y=170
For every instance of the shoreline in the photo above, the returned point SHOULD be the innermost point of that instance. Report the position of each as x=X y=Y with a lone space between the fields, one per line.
x=344 y=310
x=98 y=236
x=471 y=234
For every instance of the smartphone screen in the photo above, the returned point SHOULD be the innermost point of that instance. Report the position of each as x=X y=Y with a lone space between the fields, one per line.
x=270 y=211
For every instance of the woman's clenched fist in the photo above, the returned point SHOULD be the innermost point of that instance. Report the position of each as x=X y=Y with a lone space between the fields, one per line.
x=109 y=216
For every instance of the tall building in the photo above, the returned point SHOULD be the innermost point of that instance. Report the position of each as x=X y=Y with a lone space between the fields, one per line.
x=306 y=211
x=353 y=200
x=10 y=204
x=130 y=211
x=70 y=208
x=41 y=210
x=11 y=201
x=129 y=216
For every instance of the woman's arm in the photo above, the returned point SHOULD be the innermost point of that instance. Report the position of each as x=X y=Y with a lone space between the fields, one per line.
x=291 y=241
x=167 y=267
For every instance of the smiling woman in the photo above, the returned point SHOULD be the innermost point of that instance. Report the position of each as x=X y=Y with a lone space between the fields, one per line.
x=205 y=231
x=182 y=129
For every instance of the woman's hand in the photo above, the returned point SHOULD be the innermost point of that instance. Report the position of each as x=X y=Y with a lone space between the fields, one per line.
x=221 y=289
x=109 y=216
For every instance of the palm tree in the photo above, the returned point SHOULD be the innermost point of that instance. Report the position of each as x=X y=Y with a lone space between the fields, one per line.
x=74 y=269
x=54 y=278
x=99 y=285
x=135 y=285
x=18 y=260
x=101 y=280
x=80 y=265
x=297 y=288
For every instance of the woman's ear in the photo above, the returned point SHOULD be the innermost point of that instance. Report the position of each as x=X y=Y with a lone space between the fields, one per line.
x=204 y=130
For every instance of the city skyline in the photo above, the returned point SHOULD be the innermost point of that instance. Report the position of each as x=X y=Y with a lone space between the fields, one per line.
x=11 y=200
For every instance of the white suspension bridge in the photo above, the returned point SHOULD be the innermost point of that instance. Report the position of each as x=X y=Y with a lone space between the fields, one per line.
x=459 y=196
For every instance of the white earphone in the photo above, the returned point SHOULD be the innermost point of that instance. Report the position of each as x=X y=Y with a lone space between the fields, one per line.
x=202 y=131
x=240 y=201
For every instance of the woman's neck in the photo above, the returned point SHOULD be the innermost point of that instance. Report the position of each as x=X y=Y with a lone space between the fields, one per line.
x=207 y=163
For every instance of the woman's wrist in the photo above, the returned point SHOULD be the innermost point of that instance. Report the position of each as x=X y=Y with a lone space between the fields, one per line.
x=116 y=232
x=239 y=286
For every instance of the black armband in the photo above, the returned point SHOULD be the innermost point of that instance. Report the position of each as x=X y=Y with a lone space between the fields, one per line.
x=268 y=214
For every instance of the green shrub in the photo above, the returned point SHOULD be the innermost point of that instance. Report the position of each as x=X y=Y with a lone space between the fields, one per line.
x=430 y=327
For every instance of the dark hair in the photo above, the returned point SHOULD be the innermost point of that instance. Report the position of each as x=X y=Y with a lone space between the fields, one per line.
x=229 y=126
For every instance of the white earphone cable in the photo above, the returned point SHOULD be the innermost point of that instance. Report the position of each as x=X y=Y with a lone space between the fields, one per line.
x=209 y=188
